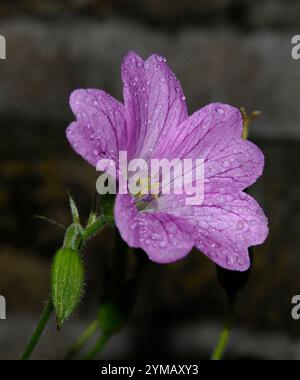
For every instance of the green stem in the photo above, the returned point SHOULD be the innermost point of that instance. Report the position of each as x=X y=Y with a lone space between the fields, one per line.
x=82 y=339
x=227 y=327
x=98 y=347
x=93 y=228
x=37 y=331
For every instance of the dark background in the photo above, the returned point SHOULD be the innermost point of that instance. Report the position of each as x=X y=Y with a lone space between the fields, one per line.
x=232 y=51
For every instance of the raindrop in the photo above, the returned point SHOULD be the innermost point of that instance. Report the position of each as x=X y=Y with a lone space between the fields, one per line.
x=240 y=225
x=220 y=110
x=243 y=195
x=229 y=260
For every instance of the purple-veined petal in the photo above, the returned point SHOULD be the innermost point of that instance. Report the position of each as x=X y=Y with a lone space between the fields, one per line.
x=163 y=237
x=214 y=134
x=154 y=103
x=99 y=131
x=225 y=225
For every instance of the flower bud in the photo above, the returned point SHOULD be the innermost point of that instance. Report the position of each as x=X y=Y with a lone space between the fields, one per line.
x=67 y=278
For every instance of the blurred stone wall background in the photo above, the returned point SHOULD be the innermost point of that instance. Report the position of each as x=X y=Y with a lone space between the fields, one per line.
x=233 y=51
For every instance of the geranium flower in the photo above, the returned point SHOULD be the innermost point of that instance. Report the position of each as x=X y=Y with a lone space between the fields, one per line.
x=153 y=123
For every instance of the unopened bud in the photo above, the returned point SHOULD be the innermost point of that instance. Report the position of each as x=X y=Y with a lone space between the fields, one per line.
x=67 y=278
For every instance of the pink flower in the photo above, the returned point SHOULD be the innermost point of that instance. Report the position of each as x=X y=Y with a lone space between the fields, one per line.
x=153 y=123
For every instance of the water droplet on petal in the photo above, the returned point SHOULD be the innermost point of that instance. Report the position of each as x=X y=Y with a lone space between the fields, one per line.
x=240 y=225
x=220 y=110
x=243 y=195
x=229 y=260
x=163 y=243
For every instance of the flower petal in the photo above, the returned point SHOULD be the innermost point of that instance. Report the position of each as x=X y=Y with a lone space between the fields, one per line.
x=214 y=134
x=99 y=131
x=163 y=237
x=154 y=103
x=225 y=225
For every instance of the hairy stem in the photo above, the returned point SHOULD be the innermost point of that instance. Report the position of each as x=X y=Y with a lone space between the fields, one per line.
x=93 y=228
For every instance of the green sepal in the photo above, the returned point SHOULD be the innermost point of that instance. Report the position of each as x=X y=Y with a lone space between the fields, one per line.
x=74 y=210
x=73 y=236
